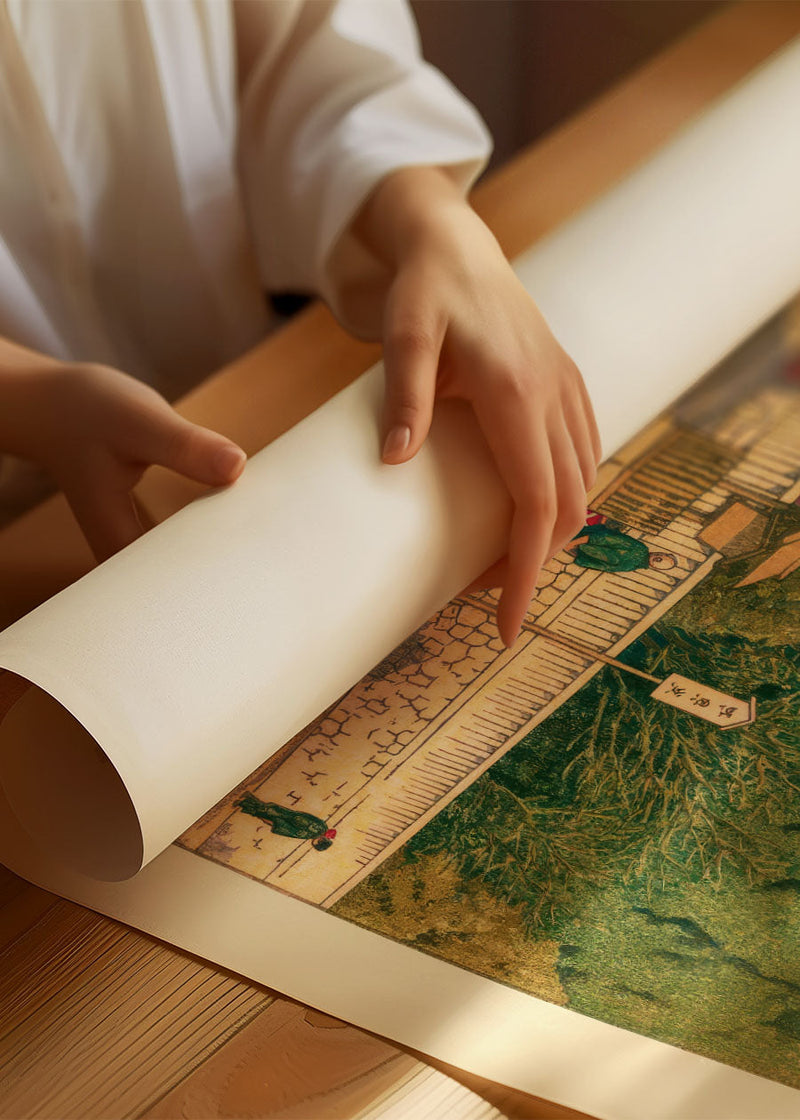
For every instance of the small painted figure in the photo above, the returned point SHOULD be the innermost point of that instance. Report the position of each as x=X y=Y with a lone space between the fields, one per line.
x=288 y=822
x=603 y=548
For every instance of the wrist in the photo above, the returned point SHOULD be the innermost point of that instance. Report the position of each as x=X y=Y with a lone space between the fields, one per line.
x=411 y=209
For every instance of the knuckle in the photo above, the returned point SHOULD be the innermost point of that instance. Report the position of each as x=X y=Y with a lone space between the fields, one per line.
x=513 y=380
x=403 y=402
x=537 y=507
x=185 y=440
x=571 y=369
x=174 y=443
x=572 y=515
x=410 y=339
x=570 y=374
x=86 y=375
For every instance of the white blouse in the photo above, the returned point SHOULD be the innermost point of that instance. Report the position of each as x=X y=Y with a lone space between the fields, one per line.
x=164 y=161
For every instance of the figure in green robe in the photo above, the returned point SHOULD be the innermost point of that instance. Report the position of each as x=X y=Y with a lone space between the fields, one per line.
x=288 y=822
x=605 y=549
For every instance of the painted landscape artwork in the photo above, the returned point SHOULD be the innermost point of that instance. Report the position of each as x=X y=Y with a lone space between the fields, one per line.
x=606 y=816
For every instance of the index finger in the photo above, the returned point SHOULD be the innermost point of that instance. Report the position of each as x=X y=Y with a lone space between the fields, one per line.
x=517 y=436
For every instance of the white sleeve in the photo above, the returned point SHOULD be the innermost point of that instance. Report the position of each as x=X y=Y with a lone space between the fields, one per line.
x=333 y=97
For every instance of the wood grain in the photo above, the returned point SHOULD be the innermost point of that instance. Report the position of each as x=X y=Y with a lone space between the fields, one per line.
x=100 y=1021
x=308 y=1065
x=311 y=1065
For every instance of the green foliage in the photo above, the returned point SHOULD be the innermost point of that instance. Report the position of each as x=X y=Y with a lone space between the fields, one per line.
x=660 y=854
x=617 y=785
x=720 y=983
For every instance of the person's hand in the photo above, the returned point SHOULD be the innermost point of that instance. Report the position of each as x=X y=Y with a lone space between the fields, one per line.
x=96 y=431
x=458 y=323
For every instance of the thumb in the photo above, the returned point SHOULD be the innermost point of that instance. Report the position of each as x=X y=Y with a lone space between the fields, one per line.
x=105 y=510
x=411 y=360
x=194 y=451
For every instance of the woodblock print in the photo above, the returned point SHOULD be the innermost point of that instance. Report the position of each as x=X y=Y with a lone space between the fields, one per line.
x=452 y=725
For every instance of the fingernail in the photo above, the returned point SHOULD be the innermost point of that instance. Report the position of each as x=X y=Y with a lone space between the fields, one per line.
x=230 y=461
x=396 y=442
x=513 y=638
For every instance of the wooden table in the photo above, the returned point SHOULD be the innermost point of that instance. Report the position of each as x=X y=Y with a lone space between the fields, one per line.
x=101 y=1021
